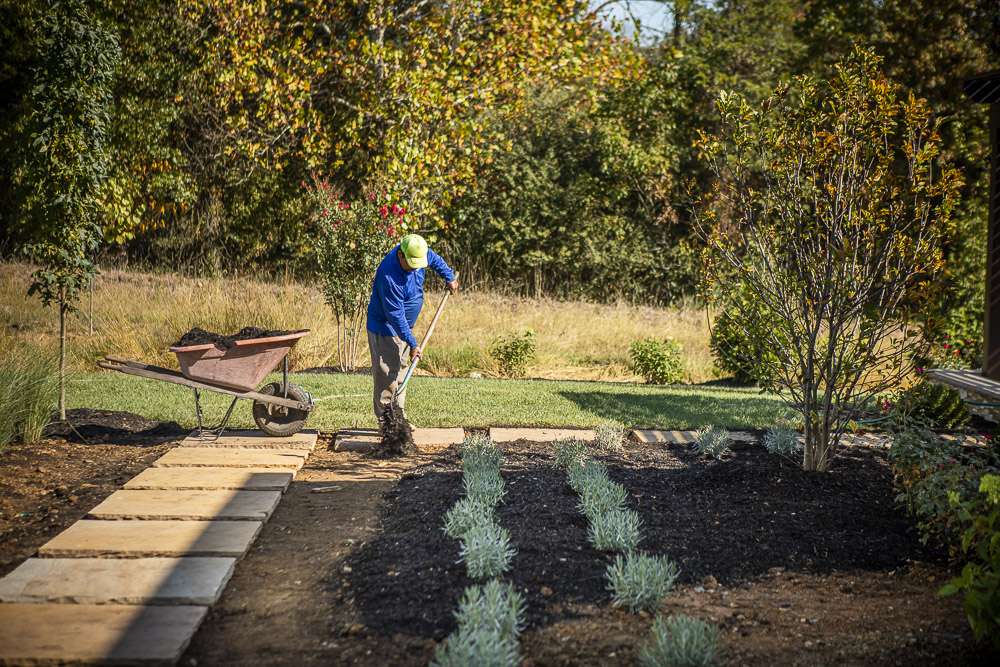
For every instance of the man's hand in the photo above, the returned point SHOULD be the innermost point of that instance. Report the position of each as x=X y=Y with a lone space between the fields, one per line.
x=453 y=286
x=415 y=353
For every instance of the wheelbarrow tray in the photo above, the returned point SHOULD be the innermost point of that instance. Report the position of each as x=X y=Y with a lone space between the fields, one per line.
x=242 y=367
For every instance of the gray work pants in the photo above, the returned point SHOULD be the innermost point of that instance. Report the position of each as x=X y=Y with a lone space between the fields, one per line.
x=390 y=355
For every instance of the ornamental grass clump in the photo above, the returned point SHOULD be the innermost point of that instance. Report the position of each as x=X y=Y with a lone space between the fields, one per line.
x=640 y=582
x=570 y=453
x=712 y=442
x=465 y=514
x=617 y=530
x=610 y=437
x=490 y=619
x=782 y=441
x=680 y=641
x=486 y=550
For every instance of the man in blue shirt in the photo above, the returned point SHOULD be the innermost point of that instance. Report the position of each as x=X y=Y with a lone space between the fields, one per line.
x=397 y=297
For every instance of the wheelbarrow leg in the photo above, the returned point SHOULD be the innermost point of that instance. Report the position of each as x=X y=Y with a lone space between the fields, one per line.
x=217 y=431
x=197 y=409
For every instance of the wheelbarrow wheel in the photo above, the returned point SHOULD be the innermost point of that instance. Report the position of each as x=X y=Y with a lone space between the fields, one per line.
x=278 y=420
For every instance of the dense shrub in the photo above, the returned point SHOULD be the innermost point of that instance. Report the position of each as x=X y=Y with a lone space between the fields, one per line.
x=513 y=353
x=640 y=582
x=936 y=405
x=657 y=361
x=680 y=641
x=737 y=350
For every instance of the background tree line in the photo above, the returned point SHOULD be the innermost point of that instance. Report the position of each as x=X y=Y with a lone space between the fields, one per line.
x=540 y=148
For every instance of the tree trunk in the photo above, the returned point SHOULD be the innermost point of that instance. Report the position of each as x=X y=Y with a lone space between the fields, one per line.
x=62 y=355
x=90 y=314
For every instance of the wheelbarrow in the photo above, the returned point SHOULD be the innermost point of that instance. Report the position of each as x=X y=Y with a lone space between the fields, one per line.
x=279 y=408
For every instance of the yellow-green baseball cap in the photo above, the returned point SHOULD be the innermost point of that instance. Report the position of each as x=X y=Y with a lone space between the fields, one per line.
x=414 y=248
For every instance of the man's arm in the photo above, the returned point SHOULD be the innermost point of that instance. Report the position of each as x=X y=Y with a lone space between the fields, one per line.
x=436 y=262
x=394 y=307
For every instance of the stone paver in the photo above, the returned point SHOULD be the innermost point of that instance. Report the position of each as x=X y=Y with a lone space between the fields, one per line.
x=118 y=580
x=655 y=437
x=442 y=438
x=228 y=457
x=305 y=440
x=427 y=440
x=188 y=505
x=355 y=441
x=539 y=434
x=206 y=477
x=39 y=634
x=153 y=538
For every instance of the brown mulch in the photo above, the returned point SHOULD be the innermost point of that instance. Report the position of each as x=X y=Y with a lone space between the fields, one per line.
x=47 y=486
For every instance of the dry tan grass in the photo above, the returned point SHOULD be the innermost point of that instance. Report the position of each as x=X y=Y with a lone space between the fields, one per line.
x=138 y=315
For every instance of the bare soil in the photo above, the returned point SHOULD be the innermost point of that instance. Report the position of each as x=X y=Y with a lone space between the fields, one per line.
x=795 y=568
x=47 y=486
x=198 y=336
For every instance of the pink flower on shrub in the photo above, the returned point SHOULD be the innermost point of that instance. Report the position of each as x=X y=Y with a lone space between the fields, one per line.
x=919 y=370
x=343 y=206
x=946 y=346
x=371 y=196
x=402 y=211
x=383 y=211
x=395 y=210
x=391 y=230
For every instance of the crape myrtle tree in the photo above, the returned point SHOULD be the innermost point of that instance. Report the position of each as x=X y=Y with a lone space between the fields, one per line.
x=66 y=158
x=829 y=207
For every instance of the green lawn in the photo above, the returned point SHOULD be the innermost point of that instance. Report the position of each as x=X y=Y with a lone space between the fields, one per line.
x=345 y=401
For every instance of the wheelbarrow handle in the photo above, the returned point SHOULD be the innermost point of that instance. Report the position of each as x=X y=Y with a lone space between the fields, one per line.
x=423 y=344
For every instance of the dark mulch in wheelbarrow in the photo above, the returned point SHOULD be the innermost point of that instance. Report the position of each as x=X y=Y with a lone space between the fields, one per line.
x=199 y=336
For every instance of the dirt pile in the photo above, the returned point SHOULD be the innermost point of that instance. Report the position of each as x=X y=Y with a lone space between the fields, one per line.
x=397 y=435
x=198 y=336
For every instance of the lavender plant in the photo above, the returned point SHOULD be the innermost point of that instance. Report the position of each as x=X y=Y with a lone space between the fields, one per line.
x=570 y=453
x=639 y=581
x=782 y=441
x=599 y=497
x=465 y=514
x=610 y=437
x=712 y=441
x=471 y=646
x=486 y=550
x=483 y=485
x=617 y=530
x=680 y=641
x=587 y=473
x=479 y=450
x=490 y=618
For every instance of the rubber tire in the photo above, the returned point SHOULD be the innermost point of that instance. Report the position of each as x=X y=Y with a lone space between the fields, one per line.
x=277 y=424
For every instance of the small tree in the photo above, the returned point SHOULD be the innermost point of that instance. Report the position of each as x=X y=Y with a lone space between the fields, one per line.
x=829 y=206
x=66 y=157
x=352 y=238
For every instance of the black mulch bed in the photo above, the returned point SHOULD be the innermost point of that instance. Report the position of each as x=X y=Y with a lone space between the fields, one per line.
x=110 y=427
x=733 y=519
x=199 y=336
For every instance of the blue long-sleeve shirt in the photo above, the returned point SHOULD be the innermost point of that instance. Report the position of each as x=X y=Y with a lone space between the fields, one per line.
x=398 y=295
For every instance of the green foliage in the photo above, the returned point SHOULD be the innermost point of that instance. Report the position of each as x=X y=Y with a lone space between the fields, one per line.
x=782 y=441
x=680 y=641
x=513 y=353
x=486 y=550
x=639 y=581
x=483 y=485
x=610 y=437
x=712 y=441
x=657 y=361
x=490 y=619
x=979 y=581
x=615 y=530
x=65 y=161
x=586 y=473
x=934 y=404
x=601 y=497
x=570 y=453
x=479 y=451
x=739 y=341
x=28 y=390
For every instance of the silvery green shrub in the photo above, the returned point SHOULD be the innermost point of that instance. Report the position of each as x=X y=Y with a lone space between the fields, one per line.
x=586 y=473
x=618 y=530
x=639 y=581
x=599 y=497
x=479 y=450
x=712 y=441
x=493 y=606
x=680 y=641
x=610 y=436
x=470 y=646
x=486 y=550
x=570 y=452
x=483 y=485
x=783 y=441
x=465 y=514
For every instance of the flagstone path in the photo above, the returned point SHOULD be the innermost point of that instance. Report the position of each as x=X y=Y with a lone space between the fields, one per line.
x=132 y=581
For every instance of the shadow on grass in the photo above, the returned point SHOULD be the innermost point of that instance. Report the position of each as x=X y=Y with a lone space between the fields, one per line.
x=677 y=410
